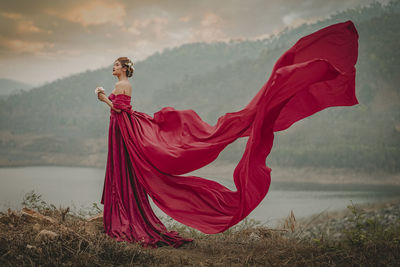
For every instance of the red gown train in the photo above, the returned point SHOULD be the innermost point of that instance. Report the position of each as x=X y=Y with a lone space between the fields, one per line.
x=147 y=156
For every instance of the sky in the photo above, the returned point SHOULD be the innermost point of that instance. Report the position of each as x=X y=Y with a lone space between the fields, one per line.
x=44 y=40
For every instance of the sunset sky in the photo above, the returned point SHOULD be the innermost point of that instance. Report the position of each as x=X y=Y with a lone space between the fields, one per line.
x=41 y=41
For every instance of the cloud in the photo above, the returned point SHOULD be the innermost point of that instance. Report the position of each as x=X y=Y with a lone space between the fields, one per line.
x=184 y=18
x=93 y=12
x=23 y=47
x=22 y=24
x=27 y=27
x=210 y=29
x=210 y=20
x=289 y=18
x=75 y=32
x=11 y=15
x=153 y=25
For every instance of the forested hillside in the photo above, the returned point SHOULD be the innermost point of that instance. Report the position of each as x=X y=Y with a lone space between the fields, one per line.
x=8 y=87
x=62 y=122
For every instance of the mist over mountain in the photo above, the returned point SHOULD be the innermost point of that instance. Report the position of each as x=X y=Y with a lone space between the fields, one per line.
x=63 y=123
x=8 y=86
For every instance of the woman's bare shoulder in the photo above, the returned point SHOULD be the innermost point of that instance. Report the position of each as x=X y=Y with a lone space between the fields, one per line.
x=123 y=87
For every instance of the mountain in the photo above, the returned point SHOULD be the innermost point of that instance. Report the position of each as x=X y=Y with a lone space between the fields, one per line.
x=62 y=122
x=67 y=106
x=8 y=86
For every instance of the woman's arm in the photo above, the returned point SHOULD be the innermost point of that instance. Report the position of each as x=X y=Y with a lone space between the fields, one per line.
x=104 y=98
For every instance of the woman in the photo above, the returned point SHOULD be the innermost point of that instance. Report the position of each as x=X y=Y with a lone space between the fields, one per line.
x=127 y=212
x=148 y=155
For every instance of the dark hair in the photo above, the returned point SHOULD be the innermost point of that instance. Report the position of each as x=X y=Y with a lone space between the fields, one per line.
x=126 y=62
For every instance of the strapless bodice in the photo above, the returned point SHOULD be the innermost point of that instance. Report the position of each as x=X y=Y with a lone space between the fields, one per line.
x=112 y=96
x=121 y=101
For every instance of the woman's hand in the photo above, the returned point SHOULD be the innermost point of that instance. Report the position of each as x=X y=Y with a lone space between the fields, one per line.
x=101 y=96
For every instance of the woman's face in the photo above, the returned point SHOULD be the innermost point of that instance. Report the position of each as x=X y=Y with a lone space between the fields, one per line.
x=118 y=69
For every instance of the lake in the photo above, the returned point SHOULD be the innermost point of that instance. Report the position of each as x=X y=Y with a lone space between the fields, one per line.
x=80 y=187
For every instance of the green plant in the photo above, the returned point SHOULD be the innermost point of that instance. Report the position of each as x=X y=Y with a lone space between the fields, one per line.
x=368 y=230
x=34 y=201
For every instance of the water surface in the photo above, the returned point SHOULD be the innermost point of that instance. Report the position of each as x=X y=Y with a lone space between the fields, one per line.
x=80 y=187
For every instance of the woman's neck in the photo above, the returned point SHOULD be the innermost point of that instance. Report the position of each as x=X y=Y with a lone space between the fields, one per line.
x=124 y=78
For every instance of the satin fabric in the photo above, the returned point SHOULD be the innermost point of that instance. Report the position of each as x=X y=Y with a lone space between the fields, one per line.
x=149 y=155
x=127 y=214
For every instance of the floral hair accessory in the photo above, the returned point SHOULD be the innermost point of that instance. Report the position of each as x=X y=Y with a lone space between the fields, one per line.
x=98 y=90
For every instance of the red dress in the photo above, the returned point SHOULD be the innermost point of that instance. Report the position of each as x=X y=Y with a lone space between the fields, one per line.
x=148 y=155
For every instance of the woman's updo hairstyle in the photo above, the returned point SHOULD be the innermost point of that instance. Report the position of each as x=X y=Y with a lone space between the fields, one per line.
x=126 y=62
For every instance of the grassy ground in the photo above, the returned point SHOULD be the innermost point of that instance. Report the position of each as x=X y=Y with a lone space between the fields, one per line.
x=67 y=239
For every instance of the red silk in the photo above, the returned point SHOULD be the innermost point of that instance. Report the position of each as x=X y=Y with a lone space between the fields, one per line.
x=150 y=154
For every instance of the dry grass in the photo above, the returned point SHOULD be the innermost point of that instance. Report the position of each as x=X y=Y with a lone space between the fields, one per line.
x=71 y=240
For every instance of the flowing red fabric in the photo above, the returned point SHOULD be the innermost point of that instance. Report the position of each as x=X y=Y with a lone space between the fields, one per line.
x=148 y=155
